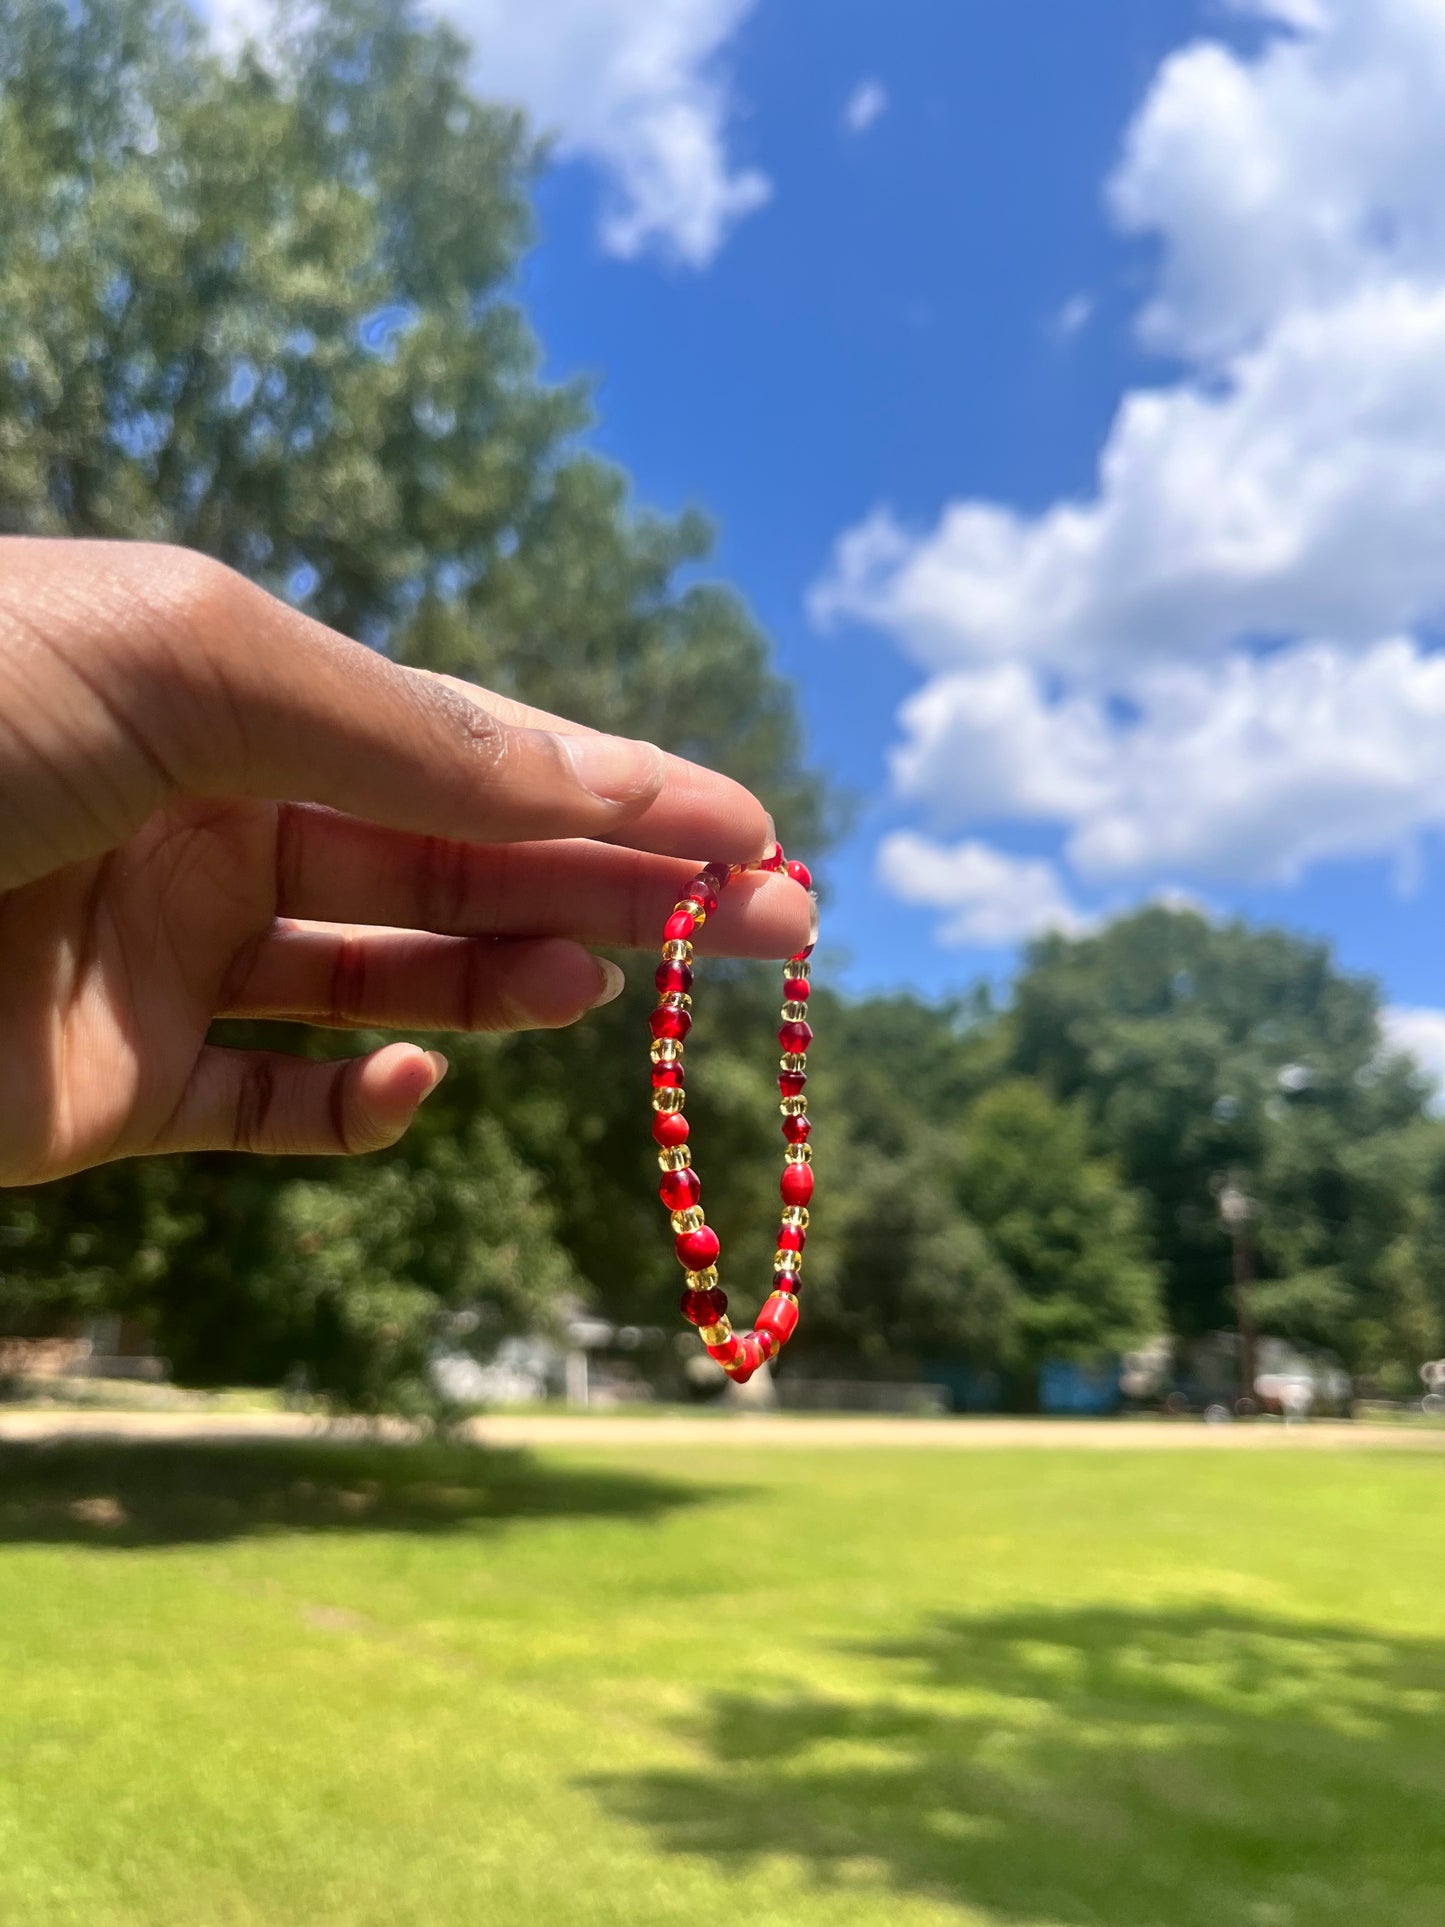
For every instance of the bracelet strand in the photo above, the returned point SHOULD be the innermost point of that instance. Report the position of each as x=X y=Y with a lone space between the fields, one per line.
x=704 y=1302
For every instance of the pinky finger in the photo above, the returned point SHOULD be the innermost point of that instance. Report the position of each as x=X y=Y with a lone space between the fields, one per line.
x=266 y=1102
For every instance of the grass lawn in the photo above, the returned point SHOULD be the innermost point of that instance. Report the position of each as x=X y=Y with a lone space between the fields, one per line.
x=335 y=1686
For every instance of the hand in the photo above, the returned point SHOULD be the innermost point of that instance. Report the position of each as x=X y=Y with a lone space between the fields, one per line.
x=211 y=805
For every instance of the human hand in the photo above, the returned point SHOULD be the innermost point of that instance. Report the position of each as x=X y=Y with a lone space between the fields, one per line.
x=211 y=805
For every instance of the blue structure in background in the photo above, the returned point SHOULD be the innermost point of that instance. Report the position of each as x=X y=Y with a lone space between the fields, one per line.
x=1085 y=1391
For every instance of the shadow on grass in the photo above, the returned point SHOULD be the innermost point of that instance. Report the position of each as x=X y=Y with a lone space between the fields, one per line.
x=131 y=1493
x=1098 y=1768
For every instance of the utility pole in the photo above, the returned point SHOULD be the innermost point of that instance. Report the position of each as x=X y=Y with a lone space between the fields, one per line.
x=1236 y=1208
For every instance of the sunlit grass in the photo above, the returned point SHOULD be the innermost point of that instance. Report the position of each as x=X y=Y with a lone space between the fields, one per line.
x=313 y=1685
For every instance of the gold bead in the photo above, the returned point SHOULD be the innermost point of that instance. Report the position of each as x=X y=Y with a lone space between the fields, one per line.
x=702 y=1280
x=787 y=1261
x=689 y=1220
x=798 y=1154
x=796 y=1214
x=676 y=1157
x=800 y=967
x=666 y=1050
x=669 y=1098
x=793 y=1060
x=690 y=907
x=717 y=1334
x=675 y=1000
x=677 y=950
x=794 y=1106
x=795 y=1012
x=788 y=1297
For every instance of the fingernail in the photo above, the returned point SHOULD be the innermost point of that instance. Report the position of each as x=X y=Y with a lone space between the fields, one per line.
x=769 y=839
x=440 y=1067
x=613 y=982
x=614 y=769
x=812 y=917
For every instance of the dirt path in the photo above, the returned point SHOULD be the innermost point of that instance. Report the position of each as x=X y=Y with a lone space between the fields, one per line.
x=760 y=1430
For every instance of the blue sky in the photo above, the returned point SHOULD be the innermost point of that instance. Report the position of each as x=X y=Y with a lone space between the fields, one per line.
x=1068 y=384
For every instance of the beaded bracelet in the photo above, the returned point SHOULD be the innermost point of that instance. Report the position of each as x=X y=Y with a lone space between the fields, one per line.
x=704 y=1302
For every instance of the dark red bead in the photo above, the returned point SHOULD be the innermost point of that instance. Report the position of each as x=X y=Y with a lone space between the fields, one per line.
x=679 y=927
x=802 y=956
x=795 y=1037
x=800 y=873
x=705 y=1305
x=670 y=1128
x=796 y=989
x=718 y=876
x=791 y=1237
x=797 y=1183
x=669 y=1021
x=679 y=1189
x=701 y=891
x=773 y=858
x=666 y=1076
x=796 y=1129
x=697 y=1249
x=791 y=1083
x=673 y=977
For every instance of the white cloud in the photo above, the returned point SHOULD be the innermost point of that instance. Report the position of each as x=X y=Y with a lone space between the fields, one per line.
x=1293 y=177
x=1074 y=316
x=635 y=87
x=987 y=898
x=1246 y=772
x=1183 y=668
x=868 y=100
x=1421 y=1033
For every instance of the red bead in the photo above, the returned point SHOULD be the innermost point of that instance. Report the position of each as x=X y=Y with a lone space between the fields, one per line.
x=680 y=1189
x=797 y=1183
x=778 y=1317
x=772 y=858
x=673 y=977
x=791 y=1237
x=705 y=1305
x=796 y=1129
x=670 y=1128
x=717 y=875
x=696 y=1250
x=791 y=1083
x=679 y=927
x=669 y=1021
x=746 y=1359
x=795 y=1037
x=795 y=989
x=800 y=873
x=700 y=890
x=767 y=1343
x=802 y=956
x=666 y=1076
x=727 y=1351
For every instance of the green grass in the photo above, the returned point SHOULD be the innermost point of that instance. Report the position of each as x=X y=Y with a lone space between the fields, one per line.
x=337 y=1686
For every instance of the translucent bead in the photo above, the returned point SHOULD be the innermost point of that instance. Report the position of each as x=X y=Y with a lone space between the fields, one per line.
x=679 y=927
x=791 y=1237
x=666 y=1050
x=772 y=858
x=799 y=970
x=791 y=1083
x=796 y=1130
x=779 y=1316
x=799 y=1154
x=796 y=1183
x=793 y=1106
x=797 y=990
x=688 y=1217
x=795 y=1037
x=672 y=976
x=766 y=1343
x=670 y=1098
x=665 y=1076
x=789 y=1261
x=702 y=890
x=800 y=873
x=670 y=1127
x=801 y=956
x=702 y=1280
x=717 y=876
x=724 y=1350
x=792 y=1061
x=668 y=1021
x=796 y=1215
x=794 y=1013
x=705 y=1307
x=690 y=907
x=696 y=1250
x=718 y=1334
x=676 y=950
x=680 y=1191
x=676 y=1157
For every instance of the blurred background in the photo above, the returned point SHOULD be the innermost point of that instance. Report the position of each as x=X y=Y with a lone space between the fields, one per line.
x=1012 y=441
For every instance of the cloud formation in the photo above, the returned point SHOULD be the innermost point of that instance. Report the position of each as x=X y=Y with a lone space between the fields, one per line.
x=868 y=100
x=988 y=899
x=636 y=88
x=1216 y=663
